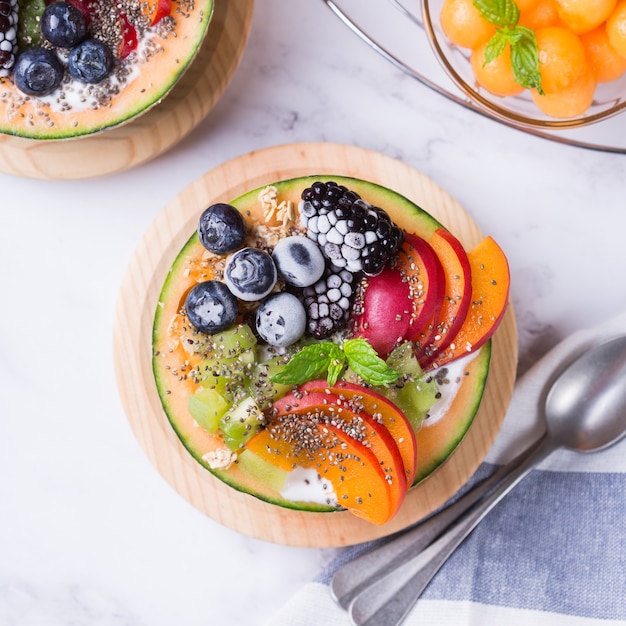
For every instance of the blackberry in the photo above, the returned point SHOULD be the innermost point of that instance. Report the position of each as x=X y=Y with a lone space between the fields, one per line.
x=8 y=35
x=328 y=302
x=352 y=233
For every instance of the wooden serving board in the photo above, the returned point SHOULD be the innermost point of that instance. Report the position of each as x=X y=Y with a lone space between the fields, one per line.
x=154 y=132
x=132 y=348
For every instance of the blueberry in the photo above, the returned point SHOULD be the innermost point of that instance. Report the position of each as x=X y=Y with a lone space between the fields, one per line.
x=299 y=261
x=38 y=71
x=221 y=228
x=250 y=274
x=63 y=25
x=211 y=307
x=90 y=61
x=280 y=319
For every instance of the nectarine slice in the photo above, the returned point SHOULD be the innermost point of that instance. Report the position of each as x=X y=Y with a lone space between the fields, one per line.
x=490 y=295
x=456 y=303
x=380 y=408
x=327 y=407
x=360 y=483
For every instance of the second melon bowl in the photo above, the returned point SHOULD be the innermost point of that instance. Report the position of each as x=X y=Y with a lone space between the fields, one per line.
x=609 y=98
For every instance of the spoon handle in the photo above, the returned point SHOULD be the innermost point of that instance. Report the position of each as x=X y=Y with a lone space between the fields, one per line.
x=388 y=601
x=365 y=570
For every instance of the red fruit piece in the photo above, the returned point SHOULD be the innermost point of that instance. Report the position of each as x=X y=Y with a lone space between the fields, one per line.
x=385 y=312
x=456 y=303
x=383 y=410
x=490 y=295
x=129 y=37
x=156 y=10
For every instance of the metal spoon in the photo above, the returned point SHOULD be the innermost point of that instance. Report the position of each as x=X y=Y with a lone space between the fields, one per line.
x=585 y=411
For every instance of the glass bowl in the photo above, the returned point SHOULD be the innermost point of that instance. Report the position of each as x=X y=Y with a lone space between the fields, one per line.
x=609 y=98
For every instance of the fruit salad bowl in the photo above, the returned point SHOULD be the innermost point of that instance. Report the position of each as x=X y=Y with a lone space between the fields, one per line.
x=69 y=69
x=224 y=456
x=597 y=96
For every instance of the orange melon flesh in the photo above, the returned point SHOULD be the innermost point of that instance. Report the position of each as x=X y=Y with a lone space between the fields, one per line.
x=157 y=73
x=353 y=470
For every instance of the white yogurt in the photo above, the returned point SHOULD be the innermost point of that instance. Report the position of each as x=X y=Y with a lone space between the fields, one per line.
x=306 y=485
x=449 y=389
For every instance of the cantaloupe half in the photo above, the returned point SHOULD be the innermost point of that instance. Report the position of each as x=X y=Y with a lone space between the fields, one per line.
x=171 y=362
x=164 y=52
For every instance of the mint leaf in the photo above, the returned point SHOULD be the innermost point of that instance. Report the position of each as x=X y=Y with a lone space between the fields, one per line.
x=524 y=51
x=495 y=47
x=311 y=362
x=362 y=358
x=502 y=13
x=317 y=359
x=335 y=370
x=525 y=59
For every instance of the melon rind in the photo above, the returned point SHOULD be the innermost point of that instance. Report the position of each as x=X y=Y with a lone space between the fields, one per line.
x=36 y=118
x=407 y=215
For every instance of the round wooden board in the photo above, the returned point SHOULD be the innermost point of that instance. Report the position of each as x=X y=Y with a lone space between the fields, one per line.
x=132 y=348
x=154 y=132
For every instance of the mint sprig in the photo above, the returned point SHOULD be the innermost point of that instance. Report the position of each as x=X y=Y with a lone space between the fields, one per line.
x=330 y=359
x=504 y=14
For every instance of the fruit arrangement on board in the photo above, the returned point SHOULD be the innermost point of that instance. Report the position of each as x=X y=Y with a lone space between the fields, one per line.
x=72 y=67
x=560 y=50
x=323 y=343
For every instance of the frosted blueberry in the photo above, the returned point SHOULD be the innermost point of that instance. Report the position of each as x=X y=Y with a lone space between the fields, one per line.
x=299 y=261
x=280 y=319
x=211 y=307
x=250 y=274
x=221 y=228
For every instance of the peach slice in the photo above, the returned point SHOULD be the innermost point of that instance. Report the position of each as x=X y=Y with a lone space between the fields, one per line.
x=352 y=468
x=458 y=282
x=383 y=409
x=490 y=295
x=356 y=422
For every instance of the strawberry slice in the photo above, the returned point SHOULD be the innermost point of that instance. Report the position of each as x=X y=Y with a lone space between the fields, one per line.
x=129 y=37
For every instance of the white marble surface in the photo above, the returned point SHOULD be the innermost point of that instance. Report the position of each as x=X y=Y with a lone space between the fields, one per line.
x=90 y=534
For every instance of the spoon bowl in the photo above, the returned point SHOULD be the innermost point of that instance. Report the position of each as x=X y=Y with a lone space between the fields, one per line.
x=585 y=409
